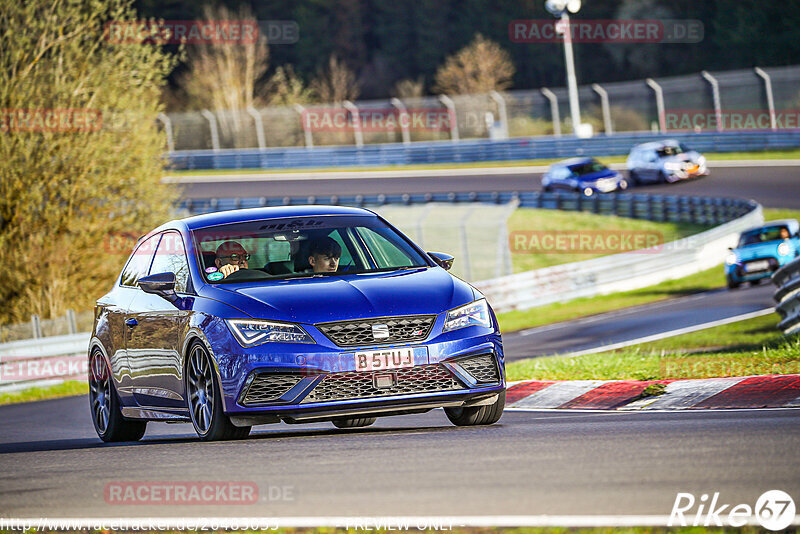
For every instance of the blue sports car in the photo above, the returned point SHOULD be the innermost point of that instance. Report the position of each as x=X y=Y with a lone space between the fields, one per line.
x=585 y=175
x=293 y=314
x=762 y=251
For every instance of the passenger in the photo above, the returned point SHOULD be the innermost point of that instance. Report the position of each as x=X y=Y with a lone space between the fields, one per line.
x=324 y=254
x=231 y=256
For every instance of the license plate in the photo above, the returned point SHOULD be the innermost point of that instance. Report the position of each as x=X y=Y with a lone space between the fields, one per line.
x=376 y=360
x=756 y=266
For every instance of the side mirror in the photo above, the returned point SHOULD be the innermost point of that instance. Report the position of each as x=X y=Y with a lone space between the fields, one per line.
x=161 y=284
x=445 y=261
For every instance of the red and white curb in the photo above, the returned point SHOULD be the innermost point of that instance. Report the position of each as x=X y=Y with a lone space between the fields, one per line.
x=762 y=391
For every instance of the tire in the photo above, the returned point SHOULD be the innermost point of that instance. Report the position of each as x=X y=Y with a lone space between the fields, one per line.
x=354 y=422
x=205 y=400
x=662 y=178
x=635 y=178
x=548 y=189
x=104 y=405
x=732 y=284
x=477 y=415
x=756 y=282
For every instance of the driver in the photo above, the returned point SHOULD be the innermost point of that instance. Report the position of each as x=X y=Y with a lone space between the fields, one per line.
x=231 y=256
x=324 y=255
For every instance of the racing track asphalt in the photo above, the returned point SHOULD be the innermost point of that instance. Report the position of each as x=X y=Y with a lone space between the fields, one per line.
x=630 y=324
x=558 y=463
x=774 y=187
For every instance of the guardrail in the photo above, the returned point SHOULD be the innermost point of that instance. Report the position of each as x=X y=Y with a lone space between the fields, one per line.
x=787 y=279
x=472 y=150
x=38 y=361
x=659 y=208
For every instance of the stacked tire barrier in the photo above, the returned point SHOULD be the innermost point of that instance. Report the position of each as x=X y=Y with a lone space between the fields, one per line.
x=787 y=297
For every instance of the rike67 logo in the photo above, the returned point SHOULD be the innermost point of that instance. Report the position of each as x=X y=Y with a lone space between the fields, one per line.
x=773 y=510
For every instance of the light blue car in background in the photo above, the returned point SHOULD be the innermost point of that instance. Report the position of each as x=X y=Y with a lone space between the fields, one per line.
x=762 y=251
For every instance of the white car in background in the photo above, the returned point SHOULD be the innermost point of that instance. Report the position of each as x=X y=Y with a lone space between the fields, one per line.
x=664 y=161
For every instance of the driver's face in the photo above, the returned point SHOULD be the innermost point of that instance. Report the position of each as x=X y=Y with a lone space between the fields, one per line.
x=233 y=256
x=323 y=263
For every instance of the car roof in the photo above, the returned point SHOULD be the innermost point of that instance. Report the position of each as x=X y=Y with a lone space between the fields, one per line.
x=255 y=214
x=574 y=161
x=791 y=223
x=654 y=145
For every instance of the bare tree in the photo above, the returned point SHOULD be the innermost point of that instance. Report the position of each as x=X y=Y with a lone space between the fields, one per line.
x=226 y=76
x=409 y=88
x=286 y=88
x=335 y=83
x=479 y=67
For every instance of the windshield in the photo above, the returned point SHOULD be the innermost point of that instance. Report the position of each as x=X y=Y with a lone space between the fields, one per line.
x=301 y=247
x=589 y=167
x=762 y=235
x=671 y=150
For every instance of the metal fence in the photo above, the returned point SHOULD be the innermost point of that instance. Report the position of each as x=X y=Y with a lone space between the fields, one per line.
x=628 y=106
x=472 y=150
x=787 y=278
x=69 y=323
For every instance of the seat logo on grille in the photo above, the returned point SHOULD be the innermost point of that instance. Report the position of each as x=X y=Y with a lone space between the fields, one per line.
x=380 y=331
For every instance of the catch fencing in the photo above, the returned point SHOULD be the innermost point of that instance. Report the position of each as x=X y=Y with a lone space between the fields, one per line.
x=787 y=279
x=611 y=108
x=473 y=150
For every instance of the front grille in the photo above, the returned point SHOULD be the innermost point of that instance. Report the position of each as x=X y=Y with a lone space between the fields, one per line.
x=353 y=385
x=268 y=387
x=483 y=368
x=772 y=265
x=401 y=329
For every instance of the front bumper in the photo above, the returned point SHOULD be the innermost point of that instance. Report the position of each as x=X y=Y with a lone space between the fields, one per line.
x=738 y=273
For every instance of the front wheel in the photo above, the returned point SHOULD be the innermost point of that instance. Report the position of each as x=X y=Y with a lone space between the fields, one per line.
x=732 y=284
x=205 y=400
x=107 y=416
x=477 y=415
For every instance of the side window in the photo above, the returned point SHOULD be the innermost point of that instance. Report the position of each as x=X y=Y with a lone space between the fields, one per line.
x=139 y=262
x=171 y=258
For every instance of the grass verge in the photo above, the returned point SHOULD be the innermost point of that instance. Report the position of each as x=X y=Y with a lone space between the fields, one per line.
x=751 y=347
x=715 y=156
x=533 y=226
x=65 y=389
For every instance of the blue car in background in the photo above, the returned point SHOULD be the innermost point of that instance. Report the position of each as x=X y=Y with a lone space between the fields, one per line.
x=293 y=314
x=585 y=175
x=762 y=251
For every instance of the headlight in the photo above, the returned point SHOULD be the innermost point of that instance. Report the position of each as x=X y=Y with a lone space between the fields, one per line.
x=731 y=259
x=474 y=313
x=783 y=249
x=672 y=166
x=251 y=332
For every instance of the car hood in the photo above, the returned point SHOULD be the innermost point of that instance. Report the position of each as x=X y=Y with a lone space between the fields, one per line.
x=593 y=177
x=321 y=299
x=680 y=158
x=758 y=250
